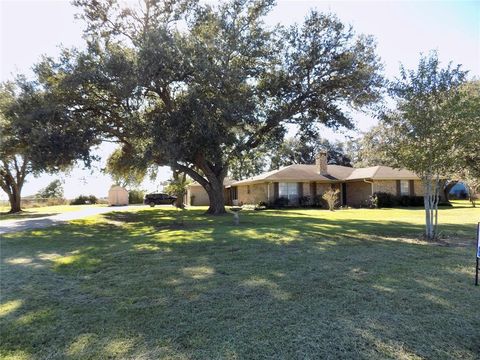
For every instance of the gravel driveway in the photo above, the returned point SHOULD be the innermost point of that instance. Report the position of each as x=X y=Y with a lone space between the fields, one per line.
x=9 y=226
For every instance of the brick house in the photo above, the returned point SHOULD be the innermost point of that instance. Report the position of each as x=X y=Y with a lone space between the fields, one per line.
x=356 y=185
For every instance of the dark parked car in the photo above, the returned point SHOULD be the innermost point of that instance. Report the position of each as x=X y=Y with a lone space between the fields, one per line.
x=159 y=199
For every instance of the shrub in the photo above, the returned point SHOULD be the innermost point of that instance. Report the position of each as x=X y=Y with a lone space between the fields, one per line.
x=403 y=200
x=387 y=200
x=304 y=201
x=319 y=202
x=262 y=205
x=331 y=197
x=84 y=199
x=136 y=196
x=416 y=201
x=383 y=200
x=280 y=202
x=410 y=200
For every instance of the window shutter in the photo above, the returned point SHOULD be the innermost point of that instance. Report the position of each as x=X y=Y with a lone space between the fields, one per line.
x=411 y=187
x=399 y=191
x=313 y=189
x=275 y=190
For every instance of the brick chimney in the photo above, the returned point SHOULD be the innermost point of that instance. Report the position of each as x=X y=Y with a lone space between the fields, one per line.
x=321 y=162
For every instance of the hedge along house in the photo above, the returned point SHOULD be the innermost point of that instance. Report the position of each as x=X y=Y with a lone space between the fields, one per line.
x=307 y=182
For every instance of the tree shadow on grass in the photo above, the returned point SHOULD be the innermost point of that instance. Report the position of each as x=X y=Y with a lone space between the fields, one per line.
x=23 y=215
x=274 y=287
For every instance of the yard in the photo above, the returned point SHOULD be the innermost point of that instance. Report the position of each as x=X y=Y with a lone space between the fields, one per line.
x=282 y=285
x=36 y=212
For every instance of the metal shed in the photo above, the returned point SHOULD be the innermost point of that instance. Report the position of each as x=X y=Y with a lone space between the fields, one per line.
x=117 y=196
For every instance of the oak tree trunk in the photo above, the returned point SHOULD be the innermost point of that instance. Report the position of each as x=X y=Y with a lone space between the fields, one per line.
x=15 y=201
x=446 y=190
x=216 y=196
x=12 y=177
x=211 y=178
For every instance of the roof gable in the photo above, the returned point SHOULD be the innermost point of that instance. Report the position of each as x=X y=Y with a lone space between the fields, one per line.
x=382 y=173
x=299 y=173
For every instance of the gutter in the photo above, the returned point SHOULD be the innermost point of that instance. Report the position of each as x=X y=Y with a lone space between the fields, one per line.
x=371 y=186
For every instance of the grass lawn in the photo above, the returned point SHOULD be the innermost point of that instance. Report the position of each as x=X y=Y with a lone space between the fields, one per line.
x=40 y=211
x=292 y=284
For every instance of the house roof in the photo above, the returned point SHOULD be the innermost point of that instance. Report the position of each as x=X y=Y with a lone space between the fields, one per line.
x=301 y=172
x=382 y=173
x=296 y=172
x=335 y=173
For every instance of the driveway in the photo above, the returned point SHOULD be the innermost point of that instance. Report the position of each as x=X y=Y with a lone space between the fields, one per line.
x=9 y=226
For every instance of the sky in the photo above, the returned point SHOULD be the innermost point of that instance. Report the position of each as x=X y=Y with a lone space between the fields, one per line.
x=403 y=30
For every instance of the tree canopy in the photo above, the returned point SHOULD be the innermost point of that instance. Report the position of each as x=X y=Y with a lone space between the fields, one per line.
x=127 y=168
x=368 y=149
x=54 y=190
x=467 y=165
x=36 y=135
x=296 y=150
x=431 y=130
x=195 y=86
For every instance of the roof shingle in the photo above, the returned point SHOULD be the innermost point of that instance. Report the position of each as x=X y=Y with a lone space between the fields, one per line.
x=301 y=172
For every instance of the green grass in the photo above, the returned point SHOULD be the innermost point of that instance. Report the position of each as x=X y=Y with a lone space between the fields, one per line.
x=37 y=212
x=292 y=284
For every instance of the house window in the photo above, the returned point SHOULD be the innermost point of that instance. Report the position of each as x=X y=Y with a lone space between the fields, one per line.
x=288 y=190
x=404 y=187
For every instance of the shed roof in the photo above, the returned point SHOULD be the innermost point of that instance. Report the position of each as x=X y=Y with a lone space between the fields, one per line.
x=117 y=188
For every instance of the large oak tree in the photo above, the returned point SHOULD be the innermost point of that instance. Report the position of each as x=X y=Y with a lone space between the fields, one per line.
x=37 y=135
x=195 y=86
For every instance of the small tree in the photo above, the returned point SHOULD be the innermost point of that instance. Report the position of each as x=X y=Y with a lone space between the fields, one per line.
x=473 y=186
x=331 y=197
x=424 y=132
x=54 y=190
x=177 y=186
